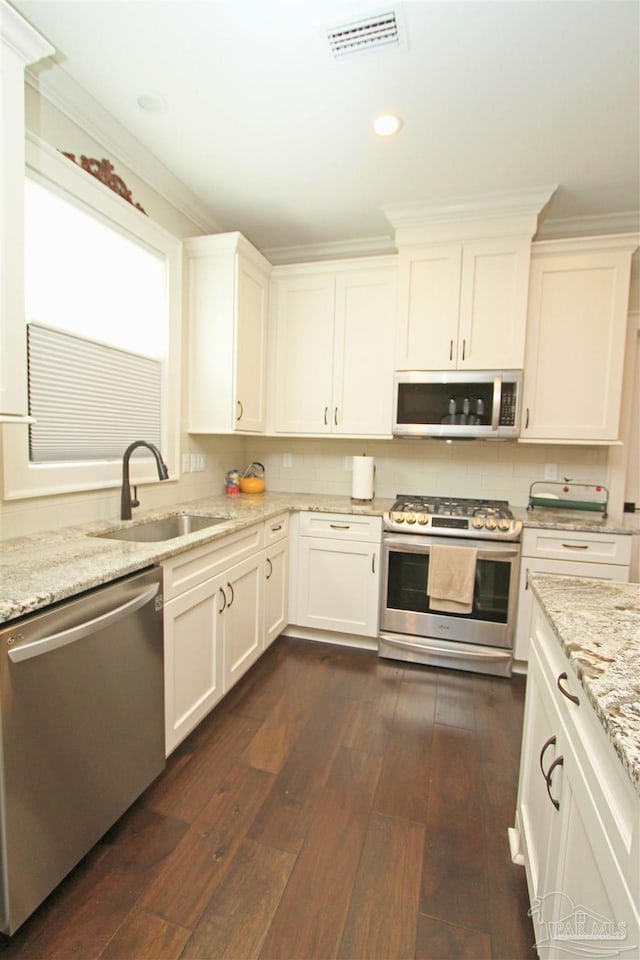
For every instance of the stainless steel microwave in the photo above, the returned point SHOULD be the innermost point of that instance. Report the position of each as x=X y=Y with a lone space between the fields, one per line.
x=481 y=404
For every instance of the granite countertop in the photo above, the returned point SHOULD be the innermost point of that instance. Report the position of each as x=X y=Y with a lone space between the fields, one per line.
x=38 y=570
x=585 y=521
x=597 y=623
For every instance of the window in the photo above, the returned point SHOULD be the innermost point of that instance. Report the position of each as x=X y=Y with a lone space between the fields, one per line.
x=102 y=311
x=96 y=315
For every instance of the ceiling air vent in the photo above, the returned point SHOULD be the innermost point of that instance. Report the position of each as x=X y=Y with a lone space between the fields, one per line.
x=369 y=34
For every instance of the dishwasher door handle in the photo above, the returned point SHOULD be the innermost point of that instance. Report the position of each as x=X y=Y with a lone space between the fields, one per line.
x=28 y=651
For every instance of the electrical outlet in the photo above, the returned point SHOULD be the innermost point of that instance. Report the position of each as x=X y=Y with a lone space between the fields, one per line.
x=197 y=462
x=186 y=463
x=287 y=460
x=551 y=471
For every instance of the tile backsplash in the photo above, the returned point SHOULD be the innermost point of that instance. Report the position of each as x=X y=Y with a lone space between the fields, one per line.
x=502 y=471
x=497 y=470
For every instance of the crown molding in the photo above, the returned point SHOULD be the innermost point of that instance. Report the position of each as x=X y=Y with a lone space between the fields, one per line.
x=21 y=37
x=598 y=225
x=336 y=250
x=510 y=203
x=85 y=111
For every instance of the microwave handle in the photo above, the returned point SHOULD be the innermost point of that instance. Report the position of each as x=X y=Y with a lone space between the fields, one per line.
x=497 y=397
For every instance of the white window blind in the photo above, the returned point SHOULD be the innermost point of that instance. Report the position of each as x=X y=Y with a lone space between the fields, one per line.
x=90 y=400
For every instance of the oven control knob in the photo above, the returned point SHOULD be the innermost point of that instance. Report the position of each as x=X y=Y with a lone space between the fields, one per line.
x=411 y=518
x=423 y=518
x=397 y=516
x=504 y=524
x=477 y=523
x=491 y=523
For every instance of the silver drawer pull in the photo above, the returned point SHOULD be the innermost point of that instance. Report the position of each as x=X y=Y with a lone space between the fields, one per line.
x=276 y=528
x=340 y=526
x=575 y=546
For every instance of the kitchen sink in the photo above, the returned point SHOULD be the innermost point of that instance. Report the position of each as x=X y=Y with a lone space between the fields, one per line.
x=167 y=528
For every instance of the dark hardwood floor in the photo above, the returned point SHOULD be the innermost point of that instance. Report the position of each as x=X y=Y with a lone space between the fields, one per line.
x=334 y=805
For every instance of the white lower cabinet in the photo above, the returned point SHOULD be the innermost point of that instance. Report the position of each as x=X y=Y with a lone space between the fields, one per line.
x=276 y=578
x=192 y=659
x=241 y=616
x=569 y=553
x=338 y=573
x=577 y=817
x=213 y=625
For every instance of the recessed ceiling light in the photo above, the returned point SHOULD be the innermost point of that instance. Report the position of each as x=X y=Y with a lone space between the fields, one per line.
x=152 y=103
x=387 y=124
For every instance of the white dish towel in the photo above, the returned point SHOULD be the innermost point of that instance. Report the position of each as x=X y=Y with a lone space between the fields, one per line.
x=452 y=577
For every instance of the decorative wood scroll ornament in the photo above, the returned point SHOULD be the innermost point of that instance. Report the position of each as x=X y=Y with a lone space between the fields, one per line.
x=103 y=170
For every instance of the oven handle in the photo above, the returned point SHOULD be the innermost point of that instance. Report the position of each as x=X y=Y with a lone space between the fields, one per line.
x=458 y=652
x=416 y=544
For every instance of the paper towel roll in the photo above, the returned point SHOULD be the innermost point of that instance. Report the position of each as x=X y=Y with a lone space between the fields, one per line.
x=362 y=481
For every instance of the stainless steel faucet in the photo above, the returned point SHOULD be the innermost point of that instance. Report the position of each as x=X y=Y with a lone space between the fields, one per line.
x=126 y=500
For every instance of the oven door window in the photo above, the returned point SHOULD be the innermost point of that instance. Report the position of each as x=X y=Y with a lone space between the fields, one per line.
x=407 y=587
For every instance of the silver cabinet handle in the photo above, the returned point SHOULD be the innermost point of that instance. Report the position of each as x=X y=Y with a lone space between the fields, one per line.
x=56 y=640
x=277 y=527
x=575 y=546
x=464 y=348
x=526 y=422
x=224 y=601
x=240 y=410
x=373 y=563
x=233 y=596
x=340 y=526
x=335 y=417
x=450 y=349
x=326 y=414
x=269 y=575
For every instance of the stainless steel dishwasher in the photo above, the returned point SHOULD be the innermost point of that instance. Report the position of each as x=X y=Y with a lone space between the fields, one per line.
x=82 y=730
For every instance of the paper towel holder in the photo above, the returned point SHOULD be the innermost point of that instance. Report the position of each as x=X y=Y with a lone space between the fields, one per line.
x=363 y=500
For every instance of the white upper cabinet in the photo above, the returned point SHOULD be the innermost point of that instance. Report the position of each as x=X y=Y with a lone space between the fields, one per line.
x=20 y=45
x=227 y=290
x=334 y=327
x=576 y=335
x=463 y=305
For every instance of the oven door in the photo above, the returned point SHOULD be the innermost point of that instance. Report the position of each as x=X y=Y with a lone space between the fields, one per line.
x=405 y=604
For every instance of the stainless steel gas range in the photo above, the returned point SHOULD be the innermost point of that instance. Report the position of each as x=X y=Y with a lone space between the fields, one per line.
x=449 y=583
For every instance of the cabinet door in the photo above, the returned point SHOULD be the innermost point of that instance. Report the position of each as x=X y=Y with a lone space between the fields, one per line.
x=538 y=818
x=589 y=908
x=338 y=585
x=243 y=618
x=363 y=352
x=602 y=571
x=193 y=658
x=493 y=304
x=276 y=593
x=304 y=359
x=251 y=347
x=575 y=346
x=429 y=299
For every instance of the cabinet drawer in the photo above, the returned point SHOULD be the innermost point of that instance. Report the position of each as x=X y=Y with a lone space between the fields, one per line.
x=192 y=567
x=578 y=546
x=276 y=529
x=341 y=526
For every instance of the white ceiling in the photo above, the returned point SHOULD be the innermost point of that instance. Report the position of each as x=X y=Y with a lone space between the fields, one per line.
x=273 y=135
